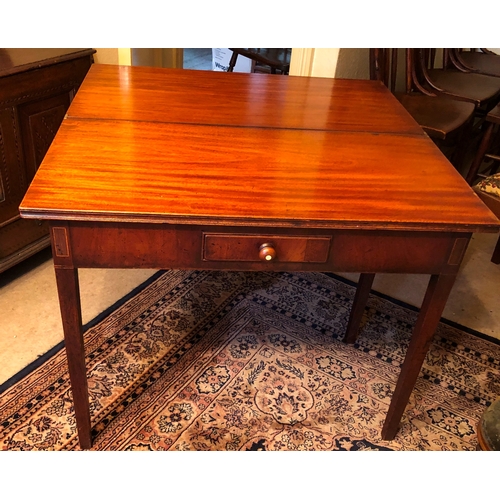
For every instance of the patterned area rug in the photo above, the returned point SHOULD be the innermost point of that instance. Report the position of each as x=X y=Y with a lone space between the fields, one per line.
x=254 y=361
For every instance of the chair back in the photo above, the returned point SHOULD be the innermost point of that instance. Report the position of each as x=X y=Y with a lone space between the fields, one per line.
x=384 y=67
x=419 y=63
x=481 y=61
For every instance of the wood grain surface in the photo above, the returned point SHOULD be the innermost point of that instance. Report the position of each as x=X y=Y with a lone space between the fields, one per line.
x=140 y=171
x=239 y=99
x=19 y=60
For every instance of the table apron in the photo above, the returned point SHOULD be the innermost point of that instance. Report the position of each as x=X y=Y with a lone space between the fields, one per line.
x=162 y=246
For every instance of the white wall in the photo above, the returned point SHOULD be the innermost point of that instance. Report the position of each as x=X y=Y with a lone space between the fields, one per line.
x=106 y=56
x=324 y=62
x=113 y=56
x=353 y=63
x=160 y=58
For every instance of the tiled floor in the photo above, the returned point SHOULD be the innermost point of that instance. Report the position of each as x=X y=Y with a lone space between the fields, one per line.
x=198 y=59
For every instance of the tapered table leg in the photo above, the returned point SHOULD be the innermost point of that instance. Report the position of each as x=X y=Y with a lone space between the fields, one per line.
x=430 y=313
x=358 y=307
x=69 y=301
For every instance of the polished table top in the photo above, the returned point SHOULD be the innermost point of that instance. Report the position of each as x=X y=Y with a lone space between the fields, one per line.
x=179 y=146
x=239 y=99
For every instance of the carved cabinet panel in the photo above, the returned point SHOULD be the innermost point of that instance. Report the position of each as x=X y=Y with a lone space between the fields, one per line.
x=36 y=89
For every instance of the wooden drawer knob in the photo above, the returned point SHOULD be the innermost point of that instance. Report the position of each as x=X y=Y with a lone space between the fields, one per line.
x=267 y=252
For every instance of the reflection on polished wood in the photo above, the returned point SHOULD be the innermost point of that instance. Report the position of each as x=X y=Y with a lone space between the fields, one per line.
x=141 y=171
x=199 y=170
x=239 y=99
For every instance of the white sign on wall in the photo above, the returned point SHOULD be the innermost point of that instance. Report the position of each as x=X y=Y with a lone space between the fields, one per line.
x=221 y=58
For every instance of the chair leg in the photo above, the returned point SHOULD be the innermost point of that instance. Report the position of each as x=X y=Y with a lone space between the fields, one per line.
x=494 y=167
x=463 y=142
x=496 y=253
x=232 y=62
x=478 y=159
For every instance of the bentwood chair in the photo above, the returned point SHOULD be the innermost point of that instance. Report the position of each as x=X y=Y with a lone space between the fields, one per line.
x=481 y=90
x=276 y=60
x=488 y=152
x=446 y=121
x=482 y=61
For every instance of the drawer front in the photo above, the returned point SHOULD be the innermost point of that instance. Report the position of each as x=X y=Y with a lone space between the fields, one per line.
x=164 y=246
x=266 y=247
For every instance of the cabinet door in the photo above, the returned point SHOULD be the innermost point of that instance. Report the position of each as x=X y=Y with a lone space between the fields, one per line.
x=12 y=180
x=32 y=106
x=27 y=132
x=18 y=237
x=39 y=122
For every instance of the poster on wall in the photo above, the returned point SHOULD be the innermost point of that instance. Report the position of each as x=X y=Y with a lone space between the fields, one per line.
x=221 y=58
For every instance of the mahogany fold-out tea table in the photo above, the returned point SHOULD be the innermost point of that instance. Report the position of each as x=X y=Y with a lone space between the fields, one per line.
x=182 y=169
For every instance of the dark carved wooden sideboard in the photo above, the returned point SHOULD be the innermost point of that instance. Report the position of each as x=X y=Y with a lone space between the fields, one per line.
x=36 y=88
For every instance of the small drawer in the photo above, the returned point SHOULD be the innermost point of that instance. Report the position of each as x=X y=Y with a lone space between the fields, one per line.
x=265 y=248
